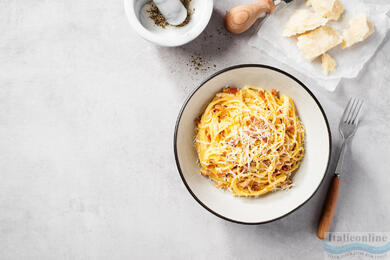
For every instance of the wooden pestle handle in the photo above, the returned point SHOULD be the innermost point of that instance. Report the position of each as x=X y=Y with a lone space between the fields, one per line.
x=240 y=18
x=329 y=207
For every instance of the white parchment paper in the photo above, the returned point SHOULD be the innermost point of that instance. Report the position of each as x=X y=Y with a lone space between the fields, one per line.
x=350 y=61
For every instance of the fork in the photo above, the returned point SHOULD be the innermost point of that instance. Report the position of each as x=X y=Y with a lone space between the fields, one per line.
x=347 y=127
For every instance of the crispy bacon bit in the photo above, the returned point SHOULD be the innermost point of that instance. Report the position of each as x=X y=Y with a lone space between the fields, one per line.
x=278 y=166
x=230 y=90
x=257 y=122
x=197 y=120
x=290 y=128
x=248 y=184
x=265 y=139
x=210 y=166
x=260 y=123
x=209 y=137
x=205 y=173
x=230 y=141
x=286 y=167
x=275 y=92
x=221 y=185
x=267 y=162
x=262 y=95
x=254 y=187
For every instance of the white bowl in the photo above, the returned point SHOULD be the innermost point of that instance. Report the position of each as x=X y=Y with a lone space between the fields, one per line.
x=170 y=36
x=307 y=178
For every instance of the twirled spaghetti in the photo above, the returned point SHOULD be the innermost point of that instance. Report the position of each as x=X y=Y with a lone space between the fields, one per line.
x=250 y=140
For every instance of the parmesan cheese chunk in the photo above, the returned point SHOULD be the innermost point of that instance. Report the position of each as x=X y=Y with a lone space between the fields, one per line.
x=323 y=4
x=331 y=9
x=328 y=63
x=302 y=21
x=317 y=42
x=359 y=29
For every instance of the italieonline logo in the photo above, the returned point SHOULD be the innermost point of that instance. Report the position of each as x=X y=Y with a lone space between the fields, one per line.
x=357 y=245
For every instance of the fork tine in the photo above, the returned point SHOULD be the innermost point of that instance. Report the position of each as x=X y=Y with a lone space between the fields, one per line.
x=355 y=119
x=351 y=110
x=346 y=110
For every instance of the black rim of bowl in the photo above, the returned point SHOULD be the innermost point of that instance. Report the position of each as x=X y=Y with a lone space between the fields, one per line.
x=185 y=105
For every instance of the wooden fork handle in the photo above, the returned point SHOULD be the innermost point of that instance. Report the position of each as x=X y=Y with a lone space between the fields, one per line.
x=240 y=18
x=329 y=207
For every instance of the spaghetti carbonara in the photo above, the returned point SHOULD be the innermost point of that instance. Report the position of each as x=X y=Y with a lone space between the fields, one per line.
x=250 y=140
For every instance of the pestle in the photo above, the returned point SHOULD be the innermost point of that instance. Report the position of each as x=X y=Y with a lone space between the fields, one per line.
x=173 y=11
x=240 y=18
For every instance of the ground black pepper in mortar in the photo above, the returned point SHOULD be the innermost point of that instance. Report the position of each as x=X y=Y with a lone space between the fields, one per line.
x=159 y=19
